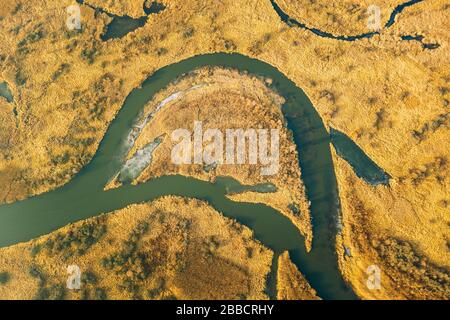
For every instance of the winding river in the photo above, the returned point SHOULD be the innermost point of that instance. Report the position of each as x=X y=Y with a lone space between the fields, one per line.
x=83 y=197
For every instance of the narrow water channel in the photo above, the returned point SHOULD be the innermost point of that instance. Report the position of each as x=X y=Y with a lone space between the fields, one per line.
x=364 y=167
x=367 y=35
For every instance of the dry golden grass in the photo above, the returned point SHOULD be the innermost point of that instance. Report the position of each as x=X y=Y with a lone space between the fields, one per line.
x=175 y=247
x=291 y=284
x=391 y=239
x=350 y=84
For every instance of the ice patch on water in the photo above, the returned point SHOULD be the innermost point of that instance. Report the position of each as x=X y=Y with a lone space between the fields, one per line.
x=143 y=157
x=140 y=160
x=138 y=127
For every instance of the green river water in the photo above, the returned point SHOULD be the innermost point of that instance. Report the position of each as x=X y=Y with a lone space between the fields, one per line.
x=84 y=197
